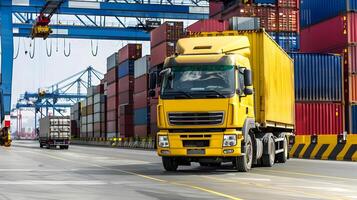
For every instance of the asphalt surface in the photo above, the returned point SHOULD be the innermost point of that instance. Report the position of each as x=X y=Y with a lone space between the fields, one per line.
x=84 y=172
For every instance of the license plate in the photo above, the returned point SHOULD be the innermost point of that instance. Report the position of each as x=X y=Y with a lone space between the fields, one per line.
x=196 y=151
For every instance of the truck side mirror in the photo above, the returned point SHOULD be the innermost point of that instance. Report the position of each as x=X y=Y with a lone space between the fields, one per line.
x=152 y=80
x=248 y=78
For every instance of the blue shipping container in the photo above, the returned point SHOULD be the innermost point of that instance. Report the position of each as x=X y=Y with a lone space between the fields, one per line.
x=141 y=116
x=126 y=68
x=315 y=11
x=353 y=120
x=289 y=41
x=265 y=1
x=318 y=77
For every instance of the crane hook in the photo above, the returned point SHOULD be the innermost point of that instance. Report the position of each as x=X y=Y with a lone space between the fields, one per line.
x=18 y=49
x=49 y=53
x=69 y=48
x=94 y=53
x=33 y=49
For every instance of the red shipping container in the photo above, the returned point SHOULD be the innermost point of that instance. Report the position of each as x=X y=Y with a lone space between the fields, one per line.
x=288 y=20
x=126 y=110
x=97 y=134
x=112 y=103
x=141 y=100
x=153 y=113
x=153 y=130
x=126 y=83
x=289 y=3
x=161 y=52
x=112 y=90
x=318 y=118
x=208 y=25
x=126 y=98
x=97 y=127
x=111 y=126
x=130 y=51
x=99 y=89
x=215 y=7
x=112 y=115
x=351 y=88
x=141 y=83
x=335 y=33
x=168 y=31
x=126 y=120
x=141 y=130
x=112 y=75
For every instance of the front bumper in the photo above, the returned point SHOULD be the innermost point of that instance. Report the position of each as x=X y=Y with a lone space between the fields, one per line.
x=215 y=148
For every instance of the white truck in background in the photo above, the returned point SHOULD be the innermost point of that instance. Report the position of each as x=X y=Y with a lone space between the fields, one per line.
x=55 y=131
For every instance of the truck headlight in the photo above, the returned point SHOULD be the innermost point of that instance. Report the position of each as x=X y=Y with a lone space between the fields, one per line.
x=229 y=140
x=163 y=141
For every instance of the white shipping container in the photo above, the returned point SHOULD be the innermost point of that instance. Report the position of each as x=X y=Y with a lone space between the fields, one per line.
x=89 y=127
x=244 y=23
x=89 y=101
x=141 y=66
x=90 y=91
x=112 y=61
x=84 y=120
x=89 y=119
x=83 y=128
x=99 y=98
x=98 y=117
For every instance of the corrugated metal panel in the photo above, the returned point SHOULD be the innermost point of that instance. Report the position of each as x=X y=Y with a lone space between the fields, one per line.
x=160 y=52
x=141 y=83
x=111 y=115
x=126 y=83
x=112 y=89
x=126 y=97
x=126 y=68
x=321 y=38
x=111 y=126
x=141 y=130
x=264 y=1
x=289 y=41
x=215 y=7
x=353 y=120
x=112 y=61
x=141 y=99
x=130 y=51
x=168 y=31
x=112 y=75
x=99 y=98
x=208 y=25
x=141 y=116
x=318 y=118
x=141 y=66
x=112 y=103
x=244 y=23
x=352 y=88
x=318 y=77
x=315 y=11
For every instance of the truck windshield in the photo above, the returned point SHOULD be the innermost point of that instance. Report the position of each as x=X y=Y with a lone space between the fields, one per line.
x=198 y=82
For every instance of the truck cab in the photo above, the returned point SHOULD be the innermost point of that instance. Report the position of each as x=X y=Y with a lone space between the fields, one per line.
x=206 y=110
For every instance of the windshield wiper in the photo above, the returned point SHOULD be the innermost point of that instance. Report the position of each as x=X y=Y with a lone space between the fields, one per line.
x=212 y=91
x=179 y=93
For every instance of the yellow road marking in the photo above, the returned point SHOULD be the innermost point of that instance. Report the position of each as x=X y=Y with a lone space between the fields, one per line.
x=307 y=174
x=148 y=177
x=265 y=186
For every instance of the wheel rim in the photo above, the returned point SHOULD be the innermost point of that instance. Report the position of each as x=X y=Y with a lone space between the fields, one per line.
x=248 y=154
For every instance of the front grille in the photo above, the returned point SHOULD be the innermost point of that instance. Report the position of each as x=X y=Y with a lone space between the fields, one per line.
x=195 y=143
x=201 y=118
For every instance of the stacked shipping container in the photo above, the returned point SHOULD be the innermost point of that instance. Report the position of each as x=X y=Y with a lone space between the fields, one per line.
x=99 y=106
x=334 y=31
x=127 y=55
x=318 y=94
x=83 y=120
x=112 y=96
x=75 y=120
x=279 y=18
x=141 y=101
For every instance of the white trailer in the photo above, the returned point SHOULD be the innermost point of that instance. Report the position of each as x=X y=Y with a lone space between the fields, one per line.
x=55 y=131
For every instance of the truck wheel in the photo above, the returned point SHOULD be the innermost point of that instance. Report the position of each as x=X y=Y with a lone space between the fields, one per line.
x=48 y=147
x=268 y=159
x=41 y=146
x=283 y=156
x=244 y=163
x=204 y=164
x=170 y=164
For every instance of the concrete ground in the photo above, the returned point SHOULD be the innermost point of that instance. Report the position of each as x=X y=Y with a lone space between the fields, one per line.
x=83 y=172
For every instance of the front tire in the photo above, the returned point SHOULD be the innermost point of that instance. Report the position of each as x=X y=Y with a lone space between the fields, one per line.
x=268 y=158
x=170 y=164
x=244 y=163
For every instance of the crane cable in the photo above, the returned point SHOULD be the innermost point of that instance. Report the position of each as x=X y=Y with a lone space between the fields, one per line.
x=18 y=50
x=94 y=53
x=49 y=54
x=33 y=49
x=69 y=48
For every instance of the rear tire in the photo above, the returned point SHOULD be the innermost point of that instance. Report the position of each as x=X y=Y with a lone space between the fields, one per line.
x=283 y=156
x=170 y=164
x=244 y=163
x=268 y=159
x=41 y=145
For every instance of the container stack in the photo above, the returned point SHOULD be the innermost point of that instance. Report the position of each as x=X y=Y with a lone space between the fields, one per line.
x=90 y=112
x=163 y=44
x=141 y=101
x=319 y=108
x=99 y=106
x=127 y=55
x=280 y=18
x=75 y=120
x=334 y=31
x=112 y=96
x=83 y=120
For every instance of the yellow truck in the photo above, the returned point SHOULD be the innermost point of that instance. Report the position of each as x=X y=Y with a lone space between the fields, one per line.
x=5 y=136
x=225 y=97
